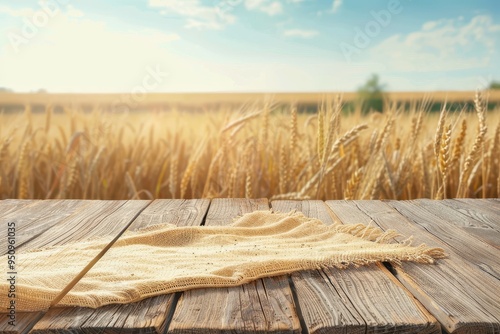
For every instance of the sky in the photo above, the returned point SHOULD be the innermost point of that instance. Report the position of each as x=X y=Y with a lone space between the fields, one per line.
x=100 y=46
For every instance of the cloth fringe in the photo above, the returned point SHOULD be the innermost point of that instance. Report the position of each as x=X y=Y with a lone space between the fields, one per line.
x=163 y=259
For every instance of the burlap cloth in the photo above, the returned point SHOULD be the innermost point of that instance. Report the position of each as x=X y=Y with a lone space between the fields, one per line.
x=165 y=258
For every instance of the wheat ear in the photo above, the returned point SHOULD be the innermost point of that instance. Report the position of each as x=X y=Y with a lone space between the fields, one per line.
x=321 y=136
x=476 y=147
x=439 y=131
x=22 y=170
x=459 y=143
x=444 y=156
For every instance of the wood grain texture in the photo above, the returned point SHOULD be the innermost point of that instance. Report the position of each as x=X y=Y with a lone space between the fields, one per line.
x=73 y=224
x=467 y=223
x=223 y=211
x=385 y=305
x=146 y=316
x=461 y=296
x=9 y=205
x=265 y=305
x=474 y=212
x=356 y=300
x=482 y=255
x=324 y=309
x=457 y=293
x=177 y=212
x=495 y=202
x=34 y=219
x=102 y=219
x=485 y=208
x=482 y=205
x=23 y=323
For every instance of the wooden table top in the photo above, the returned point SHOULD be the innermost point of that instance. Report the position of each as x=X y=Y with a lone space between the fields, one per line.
x=459 y=294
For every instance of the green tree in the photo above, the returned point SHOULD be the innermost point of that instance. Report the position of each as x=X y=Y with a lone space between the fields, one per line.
x=495 y=85
x=371 y=94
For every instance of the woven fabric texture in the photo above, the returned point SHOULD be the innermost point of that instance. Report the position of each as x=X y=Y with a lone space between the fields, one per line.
x=164 y=258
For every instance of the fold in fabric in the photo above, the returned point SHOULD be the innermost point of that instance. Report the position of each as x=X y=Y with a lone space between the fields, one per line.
x=164 y=258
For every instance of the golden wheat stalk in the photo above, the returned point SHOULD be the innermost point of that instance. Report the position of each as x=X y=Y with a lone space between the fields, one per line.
x=352 y=184
x=293 y=129
x=87 y=155
x=439 y=131
x=133 y=193
x=475 y=151
x=382 y=138
x=240 y=121
x=459 y=143
x=444 y=156
x=22 y=170
x=283 y=171
x=321 y=137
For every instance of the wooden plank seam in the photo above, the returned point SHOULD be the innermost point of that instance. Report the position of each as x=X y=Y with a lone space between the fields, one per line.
x=177 y=295
x=89 y=266
x=298 y=309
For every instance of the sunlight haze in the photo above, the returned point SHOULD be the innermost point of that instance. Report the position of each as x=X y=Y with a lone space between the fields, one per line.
x=247 y=45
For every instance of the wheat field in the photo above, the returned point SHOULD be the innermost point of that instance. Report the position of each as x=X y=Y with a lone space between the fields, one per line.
x=256 y=150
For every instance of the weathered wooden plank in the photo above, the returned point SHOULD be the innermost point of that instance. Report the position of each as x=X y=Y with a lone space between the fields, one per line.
x=147 y=316
x=473 y=212
x=105 y=219
x=485 y=207
x=265 y=305
x=176 y=211
x=445 y=283
x=31 y=218
x=101 y=219
x=224 y=210
x=9 y=205
x=23 y=322
x=495 y=202
x=355 y=300
x=470 y=225
x=482 y=255
x=457 y=293
x=37 y=217
x=324 y=309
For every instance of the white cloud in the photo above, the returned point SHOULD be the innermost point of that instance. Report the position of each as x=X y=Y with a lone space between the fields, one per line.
x=429 y=25
x=300 y=33
x=44 y=7
x=271 y=8
x=336 y=5
x=72 y=11
x=444 y=45
x=74 y=53
x=254 y=4
x=16 y=12
x=196 y=14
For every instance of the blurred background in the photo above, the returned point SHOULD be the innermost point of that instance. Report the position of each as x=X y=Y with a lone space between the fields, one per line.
x=327 y=99
x=132 y=48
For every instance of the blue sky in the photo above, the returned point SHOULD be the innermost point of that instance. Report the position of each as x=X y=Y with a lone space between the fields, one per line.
x=247 y=45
